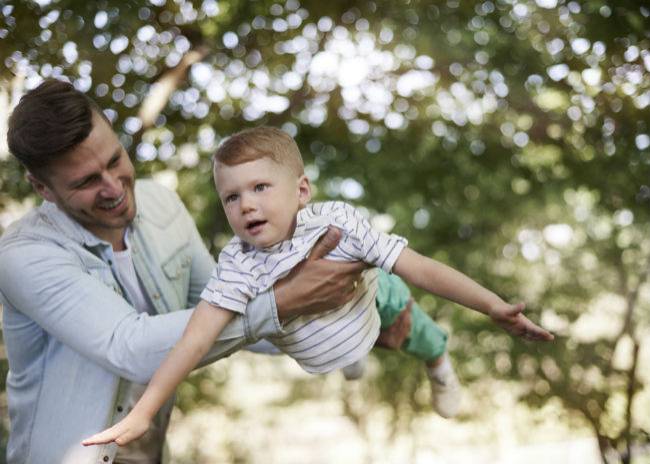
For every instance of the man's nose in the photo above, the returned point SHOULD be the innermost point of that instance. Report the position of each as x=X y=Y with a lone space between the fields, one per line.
x=111 y=186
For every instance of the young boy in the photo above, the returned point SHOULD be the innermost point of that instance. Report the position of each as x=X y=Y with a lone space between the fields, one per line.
x=259 y=175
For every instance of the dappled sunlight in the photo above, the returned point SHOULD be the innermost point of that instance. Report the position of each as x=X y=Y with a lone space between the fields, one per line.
x=491 y=428
x=508 y=139
x=603 y=318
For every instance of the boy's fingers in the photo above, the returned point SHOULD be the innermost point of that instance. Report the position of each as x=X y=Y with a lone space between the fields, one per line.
x=516 y=309
x=124 y=439
x=540 y=334
x=325 y=244
x=536 y=333
x=97 y=439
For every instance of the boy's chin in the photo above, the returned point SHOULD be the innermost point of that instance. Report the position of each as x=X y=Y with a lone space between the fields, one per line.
x=261 y=243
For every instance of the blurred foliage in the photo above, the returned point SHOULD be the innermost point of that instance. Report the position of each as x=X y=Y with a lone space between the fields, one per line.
x=507 y=138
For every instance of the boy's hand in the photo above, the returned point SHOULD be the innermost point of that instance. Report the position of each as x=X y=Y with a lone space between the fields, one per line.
x=125 y=431
x=510 y=318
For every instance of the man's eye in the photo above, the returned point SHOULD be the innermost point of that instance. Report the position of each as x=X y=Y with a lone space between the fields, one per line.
x=86 y=183
x=114 y=162
x=261 y=187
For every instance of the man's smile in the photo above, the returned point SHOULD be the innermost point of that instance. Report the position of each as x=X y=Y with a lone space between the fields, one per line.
x=110 y=205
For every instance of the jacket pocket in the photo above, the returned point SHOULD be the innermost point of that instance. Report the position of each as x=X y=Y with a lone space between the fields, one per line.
x=177 y=269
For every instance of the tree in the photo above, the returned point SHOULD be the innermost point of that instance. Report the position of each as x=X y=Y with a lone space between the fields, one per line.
x=509 y=139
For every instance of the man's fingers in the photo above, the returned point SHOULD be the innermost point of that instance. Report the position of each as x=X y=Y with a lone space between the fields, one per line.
x=404 y=318
x=325 y=244
x=355 y=268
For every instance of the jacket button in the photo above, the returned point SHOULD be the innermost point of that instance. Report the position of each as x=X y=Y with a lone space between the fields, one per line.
x=155 y=296
x=105 y=458
x=120 y=409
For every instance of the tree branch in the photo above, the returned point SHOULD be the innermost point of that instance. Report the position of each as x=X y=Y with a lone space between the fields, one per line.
x=169 y=81
x=631 y=390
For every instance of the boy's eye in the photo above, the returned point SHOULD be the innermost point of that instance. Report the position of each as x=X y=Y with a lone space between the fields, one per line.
x=231 y=198
x=261 y=187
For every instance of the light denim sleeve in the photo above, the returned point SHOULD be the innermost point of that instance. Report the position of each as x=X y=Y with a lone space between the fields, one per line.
x=263 y=347
x=47 y=284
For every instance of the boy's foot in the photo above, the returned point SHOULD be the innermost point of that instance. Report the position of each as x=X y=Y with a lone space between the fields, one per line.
x=355 y=370
x=445 y=388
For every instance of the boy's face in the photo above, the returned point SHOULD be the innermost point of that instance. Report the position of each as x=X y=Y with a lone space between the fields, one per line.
x=261 y=199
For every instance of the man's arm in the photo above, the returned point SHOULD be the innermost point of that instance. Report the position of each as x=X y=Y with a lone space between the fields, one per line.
x=442 y=280
x=47 y=284
x=89 y=317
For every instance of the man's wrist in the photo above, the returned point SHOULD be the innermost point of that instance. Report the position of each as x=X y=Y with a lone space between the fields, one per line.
x=282 y=300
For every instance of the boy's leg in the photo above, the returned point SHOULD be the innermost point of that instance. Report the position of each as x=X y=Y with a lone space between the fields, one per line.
x=427 y=341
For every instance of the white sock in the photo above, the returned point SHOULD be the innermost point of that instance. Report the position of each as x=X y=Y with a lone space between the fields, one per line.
x=441 y=371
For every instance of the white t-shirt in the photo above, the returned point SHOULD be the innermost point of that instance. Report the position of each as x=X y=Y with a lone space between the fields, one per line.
x=147 y=449
x=320 y=342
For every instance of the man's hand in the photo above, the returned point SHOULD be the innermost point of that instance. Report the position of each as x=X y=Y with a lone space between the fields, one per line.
x=510 y=318
x=132 y=427
x=317 y=284
x=394 y=336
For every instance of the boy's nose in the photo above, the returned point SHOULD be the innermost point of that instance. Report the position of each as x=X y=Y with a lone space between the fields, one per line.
x=246 y=204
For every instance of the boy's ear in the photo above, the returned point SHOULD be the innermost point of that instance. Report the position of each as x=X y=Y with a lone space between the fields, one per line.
x=304 y=190
x=41 y=187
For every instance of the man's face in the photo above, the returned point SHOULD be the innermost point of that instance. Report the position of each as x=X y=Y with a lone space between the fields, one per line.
x=93 y=184
x=261 y=199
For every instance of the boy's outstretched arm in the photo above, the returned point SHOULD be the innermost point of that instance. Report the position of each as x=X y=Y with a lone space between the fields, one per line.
x=444 y=281
x=203 y=328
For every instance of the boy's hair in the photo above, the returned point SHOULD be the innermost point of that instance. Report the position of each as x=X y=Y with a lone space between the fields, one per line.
x=261 y=142
x=48 y=122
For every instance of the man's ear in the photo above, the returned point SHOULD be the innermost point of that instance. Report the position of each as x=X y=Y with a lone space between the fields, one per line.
x=304 y=191
x=41 y=187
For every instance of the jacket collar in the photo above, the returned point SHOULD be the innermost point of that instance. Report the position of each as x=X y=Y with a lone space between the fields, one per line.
x=71 y=228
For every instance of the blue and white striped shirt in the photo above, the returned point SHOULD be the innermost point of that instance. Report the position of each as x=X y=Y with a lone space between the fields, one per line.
x=320 y=342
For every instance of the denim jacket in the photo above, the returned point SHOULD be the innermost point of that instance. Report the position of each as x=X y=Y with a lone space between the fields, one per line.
x=73 y=341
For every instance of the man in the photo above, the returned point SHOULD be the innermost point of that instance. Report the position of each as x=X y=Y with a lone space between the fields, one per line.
x=91 y=282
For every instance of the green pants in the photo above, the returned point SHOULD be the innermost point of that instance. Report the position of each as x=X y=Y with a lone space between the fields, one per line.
x=427 y=340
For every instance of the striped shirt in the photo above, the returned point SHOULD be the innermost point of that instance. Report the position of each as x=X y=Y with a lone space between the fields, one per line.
x=318 y=342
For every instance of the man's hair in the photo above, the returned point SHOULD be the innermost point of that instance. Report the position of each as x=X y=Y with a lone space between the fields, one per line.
x=48 y=122
x=261 y=142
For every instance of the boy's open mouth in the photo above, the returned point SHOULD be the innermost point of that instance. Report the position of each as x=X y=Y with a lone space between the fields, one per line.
x=253 y=224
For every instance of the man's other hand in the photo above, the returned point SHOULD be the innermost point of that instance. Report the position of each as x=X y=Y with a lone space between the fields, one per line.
x=318 y=284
